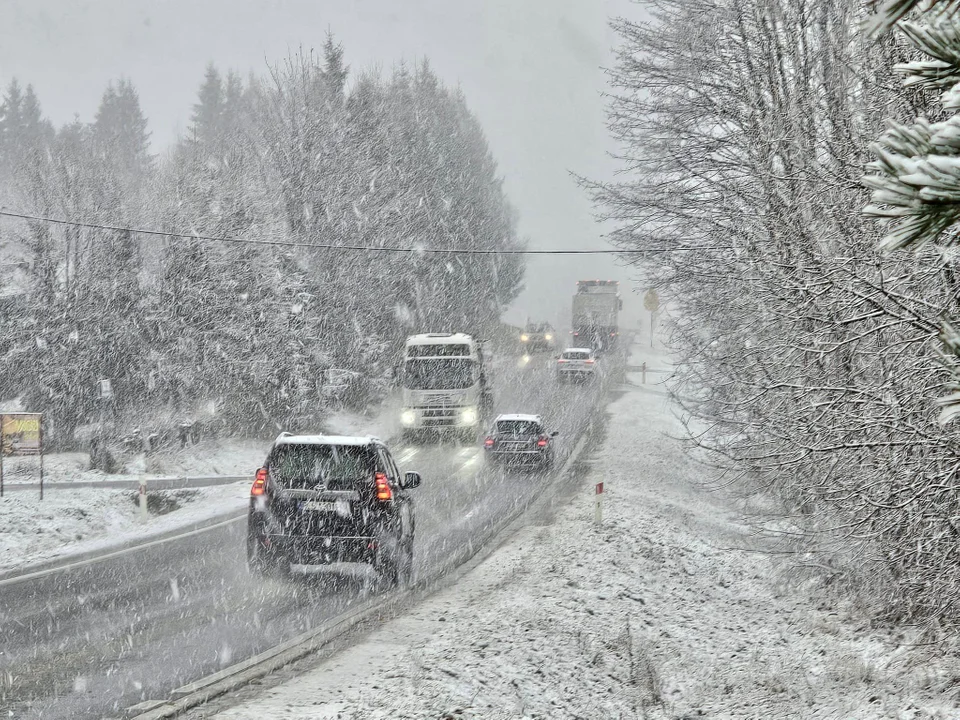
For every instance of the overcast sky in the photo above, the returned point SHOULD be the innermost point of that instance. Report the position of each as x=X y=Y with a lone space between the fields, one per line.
x=530 y=69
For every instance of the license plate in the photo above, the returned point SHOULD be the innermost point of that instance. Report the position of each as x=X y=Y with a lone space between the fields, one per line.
x=319 y=506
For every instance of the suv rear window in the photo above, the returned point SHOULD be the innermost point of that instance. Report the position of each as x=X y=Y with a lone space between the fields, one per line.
x=574 y=355
x=518 y=427
x=330 y=467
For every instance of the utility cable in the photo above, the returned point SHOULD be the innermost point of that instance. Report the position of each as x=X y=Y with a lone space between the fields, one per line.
x=4 y=212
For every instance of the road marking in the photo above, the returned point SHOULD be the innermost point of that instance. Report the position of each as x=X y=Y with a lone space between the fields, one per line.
x=472 y=460
x=406 y=455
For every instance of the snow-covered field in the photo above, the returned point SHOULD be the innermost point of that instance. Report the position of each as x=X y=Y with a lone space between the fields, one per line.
x=73 y=521
x=670 y=609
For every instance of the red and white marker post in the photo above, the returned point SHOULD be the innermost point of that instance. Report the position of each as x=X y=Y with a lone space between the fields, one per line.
x=598 y=504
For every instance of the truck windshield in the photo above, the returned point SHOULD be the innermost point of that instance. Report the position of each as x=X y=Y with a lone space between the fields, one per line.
x=439 y=374
x=330 y=467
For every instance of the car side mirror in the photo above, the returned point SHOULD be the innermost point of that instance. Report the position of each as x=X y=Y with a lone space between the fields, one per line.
x=554 y=433
x=411 y=480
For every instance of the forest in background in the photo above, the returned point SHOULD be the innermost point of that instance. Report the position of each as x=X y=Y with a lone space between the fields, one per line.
x=812 y=361
x=239 y=336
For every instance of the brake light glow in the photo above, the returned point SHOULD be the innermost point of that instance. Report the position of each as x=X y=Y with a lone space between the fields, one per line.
x=561 y=360
x=542 y=442
x=383 y=487
x=589 y=362
x=260 y=483
x=488 y=443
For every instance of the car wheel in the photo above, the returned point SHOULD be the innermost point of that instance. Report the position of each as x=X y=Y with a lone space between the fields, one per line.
x=388 y=560
x=264 y=563
x=405 y=565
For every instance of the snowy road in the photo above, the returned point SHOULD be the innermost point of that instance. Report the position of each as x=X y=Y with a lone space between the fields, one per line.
x=95 y=640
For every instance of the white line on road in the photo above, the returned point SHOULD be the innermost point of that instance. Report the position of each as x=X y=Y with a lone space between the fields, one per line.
x=406 y=455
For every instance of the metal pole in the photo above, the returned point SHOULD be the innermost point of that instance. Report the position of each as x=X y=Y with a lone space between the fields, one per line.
x=41 y=457
x=643 y=369
x=651 y=328
x=1 y=455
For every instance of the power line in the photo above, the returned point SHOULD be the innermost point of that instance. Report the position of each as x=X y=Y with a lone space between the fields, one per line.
x=4 y=212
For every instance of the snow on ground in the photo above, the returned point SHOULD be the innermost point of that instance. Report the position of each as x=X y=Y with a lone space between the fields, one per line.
x=670 y=609
x=72 y=521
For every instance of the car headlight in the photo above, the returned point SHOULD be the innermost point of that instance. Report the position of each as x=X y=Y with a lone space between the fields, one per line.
x=468 y=416
x=408 y=417
x=524 y=338
x=548 y=336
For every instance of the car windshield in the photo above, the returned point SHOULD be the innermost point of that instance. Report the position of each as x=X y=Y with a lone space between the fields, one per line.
x=330 y=467
x=518 y=427
x=575 y=355
x=440 y=374
x=538 y=328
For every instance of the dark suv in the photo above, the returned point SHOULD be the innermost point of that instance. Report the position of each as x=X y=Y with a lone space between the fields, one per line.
x=322 y=499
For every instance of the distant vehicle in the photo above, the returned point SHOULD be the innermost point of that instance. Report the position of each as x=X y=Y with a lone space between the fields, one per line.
x=537 y=337
x=520 y=440
x=595 y=316
x=445 y=385
x=324 y=499
x=576 y=364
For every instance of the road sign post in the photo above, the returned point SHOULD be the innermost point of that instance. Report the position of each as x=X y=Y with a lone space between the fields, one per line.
x=651 y=301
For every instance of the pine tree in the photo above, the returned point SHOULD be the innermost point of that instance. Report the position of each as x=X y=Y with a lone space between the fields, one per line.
x=207 y=121
x=335 y=72
x=121 y=135
x=916 y=175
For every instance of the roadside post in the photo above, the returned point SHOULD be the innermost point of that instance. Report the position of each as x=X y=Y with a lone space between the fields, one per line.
x=598 y=504
x=643 y=370
x=651 y=301
x=143 y=500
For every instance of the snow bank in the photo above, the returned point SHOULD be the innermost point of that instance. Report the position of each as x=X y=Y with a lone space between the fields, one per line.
x=670 y=609
x=68 y=522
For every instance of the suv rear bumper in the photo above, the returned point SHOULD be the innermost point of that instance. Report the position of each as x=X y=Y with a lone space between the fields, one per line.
x=323 y=549
x=523 y=457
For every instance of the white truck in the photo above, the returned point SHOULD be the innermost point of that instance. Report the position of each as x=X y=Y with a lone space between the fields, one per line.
x=445 y=385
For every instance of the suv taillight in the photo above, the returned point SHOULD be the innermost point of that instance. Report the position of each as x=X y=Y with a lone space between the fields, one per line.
x=260 y=483
x=542 y=442
x=488 y=443
x=383 y=486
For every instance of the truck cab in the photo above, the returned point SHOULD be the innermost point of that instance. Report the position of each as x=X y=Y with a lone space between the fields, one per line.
x=445 y=385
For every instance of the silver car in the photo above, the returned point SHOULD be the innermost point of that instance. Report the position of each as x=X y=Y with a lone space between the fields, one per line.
x=576 y=364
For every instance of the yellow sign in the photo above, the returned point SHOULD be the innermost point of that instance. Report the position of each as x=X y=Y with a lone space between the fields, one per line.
x=651 y=301
x=20 y=434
